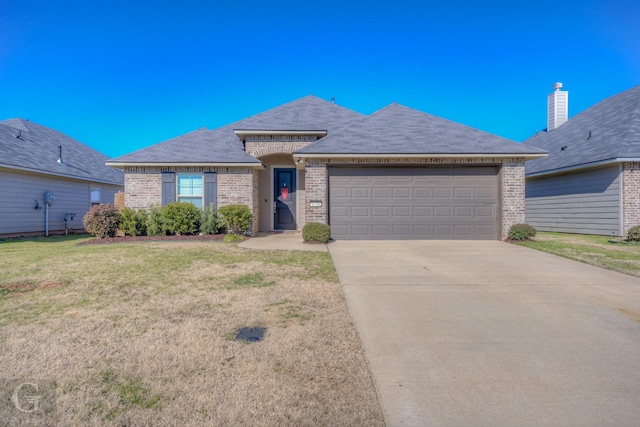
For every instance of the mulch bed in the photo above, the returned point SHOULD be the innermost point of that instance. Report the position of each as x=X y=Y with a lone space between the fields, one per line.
x=129 y=239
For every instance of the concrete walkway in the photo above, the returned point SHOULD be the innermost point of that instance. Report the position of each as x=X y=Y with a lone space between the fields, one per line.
x=288 y=241
x=492 y=334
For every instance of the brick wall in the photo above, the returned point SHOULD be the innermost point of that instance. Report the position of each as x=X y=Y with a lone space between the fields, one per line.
x=513 y=196
x=142 y=190
x=143 y=186
x=630 y=195
x=511 y=181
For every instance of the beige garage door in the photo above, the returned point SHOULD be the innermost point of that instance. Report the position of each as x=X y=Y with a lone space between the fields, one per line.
x=413 y=203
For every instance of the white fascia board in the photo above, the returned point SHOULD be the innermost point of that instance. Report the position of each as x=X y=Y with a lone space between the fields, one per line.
x=217 y=165
x=422 y=155
x=246 y=132
x=584 y=166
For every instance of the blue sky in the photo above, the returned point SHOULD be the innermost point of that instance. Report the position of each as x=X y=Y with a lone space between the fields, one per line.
x=122 y=75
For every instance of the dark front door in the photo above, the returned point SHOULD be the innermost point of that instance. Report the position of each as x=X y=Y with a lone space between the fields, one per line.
x=285 y=194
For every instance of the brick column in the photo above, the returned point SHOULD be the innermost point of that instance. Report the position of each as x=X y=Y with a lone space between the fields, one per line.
x=316 y=190
x=630 y=195
x=513 y=197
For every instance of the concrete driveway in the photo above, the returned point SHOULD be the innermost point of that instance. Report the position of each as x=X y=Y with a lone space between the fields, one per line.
x=492 y=334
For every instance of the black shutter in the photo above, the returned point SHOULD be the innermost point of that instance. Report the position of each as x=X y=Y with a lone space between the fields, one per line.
x=211 y=188
x=168 y=188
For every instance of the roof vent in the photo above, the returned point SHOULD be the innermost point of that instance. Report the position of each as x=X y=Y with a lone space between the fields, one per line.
x=557 y=86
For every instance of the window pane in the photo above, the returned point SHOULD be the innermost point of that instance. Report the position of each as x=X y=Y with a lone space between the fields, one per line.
x=197 y=201
x=95 y=195
x=190 y=189
x=190 y=185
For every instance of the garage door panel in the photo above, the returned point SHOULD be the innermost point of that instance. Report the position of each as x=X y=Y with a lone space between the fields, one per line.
x=360 y=193
x=442 y=211
x=381 y=193
x=413 y=203
x=381 y=212
x=442 y=192
x=464 y=193
x=401 y=193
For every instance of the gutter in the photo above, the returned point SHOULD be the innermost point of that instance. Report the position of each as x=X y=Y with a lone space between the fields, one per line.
x=61 y=175
x=583 y=166
x=164 y=164
x=528 y=156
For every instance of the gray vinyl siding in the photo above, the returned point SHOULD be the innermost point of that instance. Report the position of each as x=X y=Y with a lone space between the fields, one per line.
x=585 y=202
x=20 y=190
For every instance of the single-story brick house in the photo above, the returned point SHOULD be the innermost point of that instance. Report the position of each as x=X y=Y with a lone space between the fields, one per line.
x=590 y=182
x=395 y=174
x=35 y=160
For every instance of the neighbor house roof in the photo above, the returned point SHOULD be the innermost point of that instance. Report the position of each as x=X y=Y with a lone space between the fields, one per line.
x=223 y=146
x=606 y=132
x=25 y=145
x=399 y=130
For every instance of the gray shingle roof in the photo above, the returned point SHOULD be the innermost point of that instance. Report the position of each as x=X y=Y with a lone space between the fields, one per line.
x=606 y=131
x=397 y=129
x=28 y=145
x=199 y=146
x=223 y=146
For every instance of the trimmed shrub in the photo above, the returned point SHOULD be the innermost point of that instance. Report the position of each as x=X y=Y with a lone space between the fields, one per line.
x=211 y=221
x=102 y=221
x=236 y=217
x=521 y=232
x=316 y=232
x=181 y=218
x=132 y=222
x=634 y=234
x=232 y=238
x=155 y=222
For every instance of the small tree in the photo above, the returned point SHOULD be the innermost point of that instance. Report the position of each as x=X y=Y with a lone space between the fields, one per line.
x=102 y=221
x=155 y=221
x=181 y=218
x=237 y=218
x=211 y=221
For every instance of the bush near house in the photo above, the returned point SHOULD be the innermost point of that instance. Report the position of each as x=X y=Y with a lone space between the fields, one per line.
x=132 y=222
x=211 y=221
x=521 y=232
x=181 y=218
x=316 y=232
x=237 y=218
x=102 y=221
x=155 y=222
x=634 y=234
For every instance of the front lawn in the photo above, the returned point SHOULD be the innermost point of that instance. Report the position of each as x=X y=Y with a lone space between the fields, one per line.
x=143 y=334
x=596 y=250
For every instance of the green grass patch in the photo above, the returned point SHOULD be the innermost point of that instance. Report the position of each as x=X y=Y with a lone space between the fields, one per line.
x=600 y=251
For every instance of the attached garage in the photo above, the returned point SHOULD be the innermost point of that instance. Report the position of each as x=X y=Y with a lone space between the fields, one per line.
x=414 y=202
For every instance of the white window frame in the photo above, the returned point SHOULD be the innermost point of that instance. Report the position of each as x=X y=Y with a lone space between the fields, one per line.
x=189 y=197
x=92 y=191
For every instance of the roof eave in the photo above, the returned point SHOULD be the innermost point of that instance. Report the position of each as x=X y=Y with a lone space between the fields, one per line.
x=528 y=156
x=122 y=165
x=61 y=175
x=246 y=132
x=583 y=166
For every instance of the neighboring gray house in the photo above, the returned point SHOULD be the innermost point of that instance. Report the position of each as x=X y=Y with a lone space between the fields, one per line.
x=590 y=182
x=395 y=174
x=35 y=159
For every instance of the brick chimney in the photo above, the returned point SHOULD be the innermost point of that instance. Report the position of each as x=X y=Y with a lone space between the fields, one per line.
x=557 y=107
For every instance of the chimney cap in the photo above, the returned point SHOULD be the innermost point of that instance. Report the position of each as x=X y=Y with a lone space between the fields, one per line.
x=557 y=86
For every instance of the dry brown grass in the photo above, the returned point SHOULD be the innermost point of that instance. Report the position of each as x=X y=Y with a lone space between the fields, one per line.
x=142 y=334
